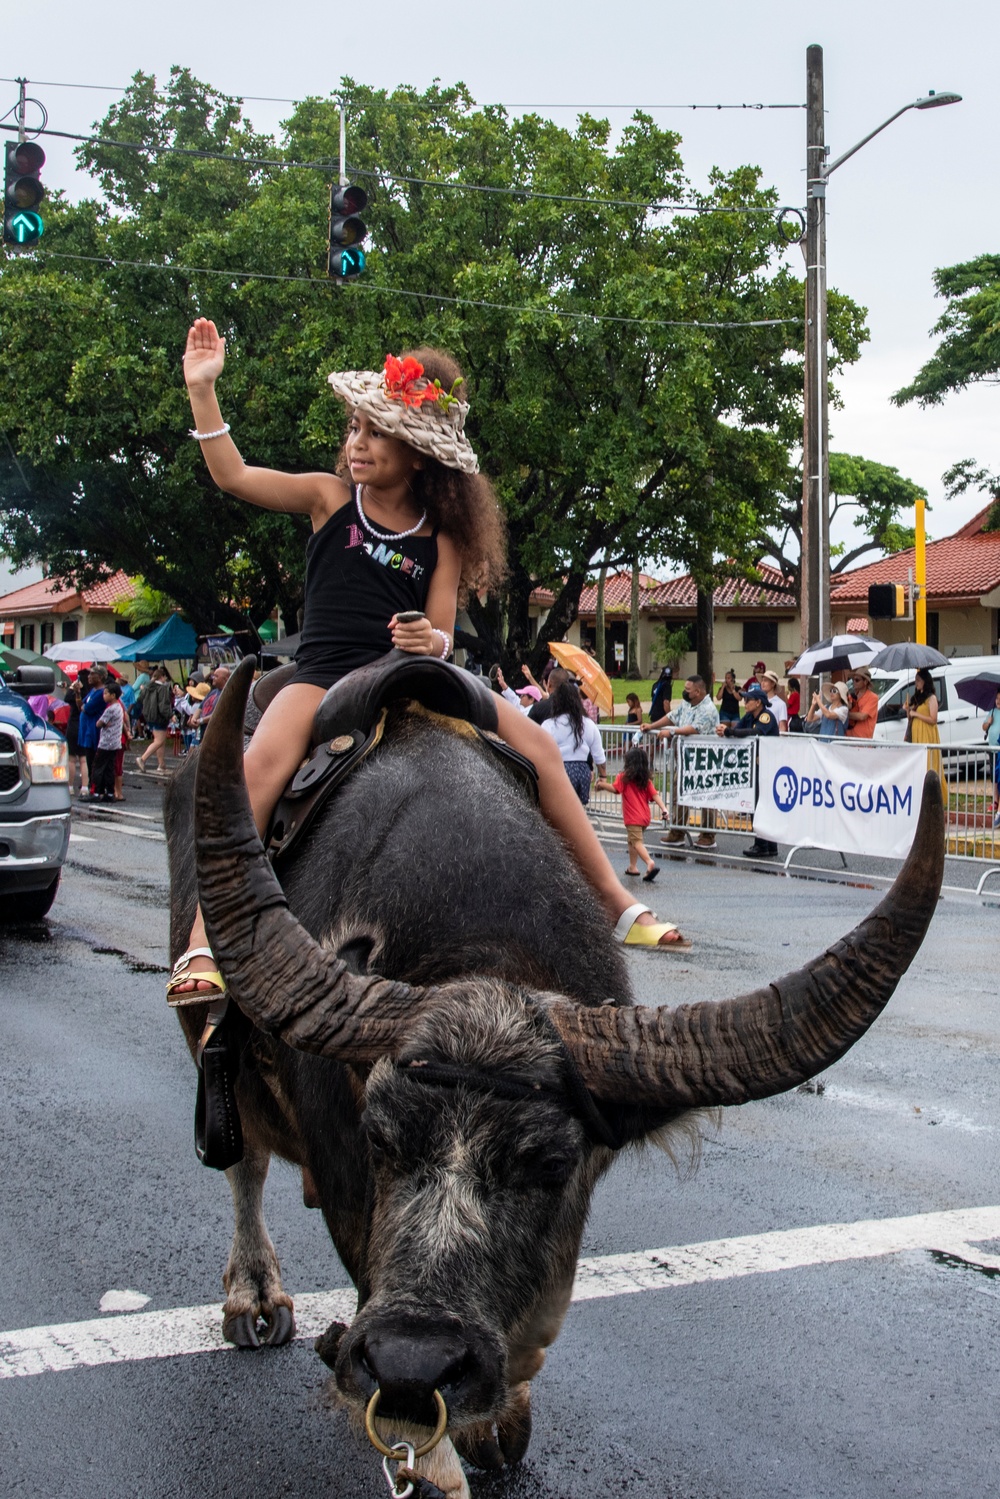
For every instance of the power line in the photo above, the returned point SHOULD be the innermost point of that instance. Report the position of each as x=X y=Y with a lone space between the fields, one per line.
x=523 y=193
x=108 y=88
x=395 y=291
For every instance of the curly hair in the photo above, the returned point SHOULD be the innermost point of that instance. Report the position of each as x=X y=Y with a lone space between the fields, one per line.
x=465 y=506
x=635 y=768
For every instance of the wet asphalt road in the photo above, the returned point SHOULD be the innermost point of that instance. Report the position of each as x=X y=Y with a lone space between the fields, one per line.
x=864 y=1378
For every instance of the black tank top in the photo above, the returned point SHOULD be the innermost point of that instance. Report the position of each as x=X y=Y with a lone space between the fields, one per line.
x=354 y=585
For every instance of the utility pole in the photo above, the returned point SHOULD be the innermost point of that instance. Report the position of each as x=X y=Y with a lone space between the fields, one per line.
x=815 y=560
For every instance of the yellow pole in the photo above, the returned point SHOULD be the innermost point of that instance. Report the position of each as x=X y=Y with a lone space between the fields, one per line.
x=920 y=578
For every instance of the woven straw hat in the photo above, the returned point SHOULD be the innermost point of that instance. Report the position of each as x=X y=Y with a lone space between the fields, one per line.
x=406 y=405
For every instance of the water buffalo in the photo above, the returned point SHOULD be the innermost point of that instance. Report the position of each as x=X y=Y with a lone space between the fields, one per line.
x=438 y=1028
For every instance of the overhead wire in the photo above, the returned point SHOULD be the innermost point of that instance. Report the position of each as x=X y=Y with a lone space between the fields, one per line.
x=329 y=283
x=522 y=193
x=109 y=88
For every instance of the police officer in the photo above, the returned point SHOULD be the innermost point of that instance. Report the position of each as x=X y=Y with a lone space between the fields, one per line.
x=757 y=720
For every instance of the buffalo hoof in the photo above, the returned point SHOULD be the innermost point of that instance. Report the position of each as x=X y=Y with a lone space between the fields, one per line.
x=280 y=1324
x=479 y=1447
x=274 y=1327
x=514 y=1431
x=241 y=1330
x=327 y=1344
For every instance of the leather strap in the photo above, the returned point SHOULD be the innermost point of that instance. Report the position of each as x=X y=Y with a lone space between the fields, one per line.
x=218 y=1134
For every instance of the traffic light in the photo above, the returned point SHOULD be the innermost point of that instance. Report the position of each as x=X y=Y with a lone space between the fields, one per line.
x=23 y=191
x=887 y=601
x=346 y=258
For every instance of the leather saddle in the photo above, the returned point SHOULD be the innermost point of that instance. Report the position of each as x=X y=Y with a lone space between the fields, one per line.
x=350 y=721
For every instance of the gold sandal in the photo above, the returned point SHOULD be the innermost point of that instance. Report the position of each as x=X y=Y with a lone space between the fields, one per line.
x=631 y=934
x=181 y=974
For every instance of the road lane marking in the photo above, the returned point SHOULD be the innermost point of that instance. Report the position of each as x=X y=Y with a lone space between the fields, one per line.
x=117 y=827
x=81 y=838
x=198 y=1329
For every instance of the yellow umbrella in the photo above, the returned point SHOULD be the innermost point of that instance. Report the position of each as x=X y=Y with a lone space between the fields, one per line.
x=586 y=668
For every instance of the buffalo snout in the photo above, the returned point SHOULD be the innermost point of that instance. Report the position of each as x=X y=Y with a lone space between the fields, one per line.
x=407 y=1359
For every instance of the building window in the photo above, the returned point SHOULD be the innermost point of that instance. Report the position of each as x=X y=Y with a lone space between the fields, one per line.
x=48 y=635
x=71 y=629
x=760 y=635
x=27 y=637
x=933 y=629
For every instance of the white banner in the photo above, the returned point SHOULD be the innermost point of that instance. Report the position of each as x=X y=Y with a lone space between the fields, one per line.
x=844 y=794
x=715 y=773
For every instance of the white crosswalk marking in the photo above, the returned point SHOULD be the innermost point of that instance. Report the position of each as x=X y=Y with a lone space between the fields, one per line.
x=198 y=1329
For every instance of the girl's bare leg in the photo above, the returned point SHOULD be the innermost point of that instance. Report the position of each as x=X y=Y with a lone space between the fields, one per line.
x=563 y=811
x=160 y=749
x=278 y=746
x=642 y=852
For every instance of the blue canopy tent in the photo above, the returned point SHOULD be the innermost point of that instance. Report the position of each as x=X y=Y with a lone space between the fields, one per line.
x=174 y=640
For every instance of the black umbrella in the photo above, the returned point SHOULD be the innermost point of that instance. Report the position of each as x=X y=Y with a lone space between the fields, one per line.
x=981 y=691
x=907 y=656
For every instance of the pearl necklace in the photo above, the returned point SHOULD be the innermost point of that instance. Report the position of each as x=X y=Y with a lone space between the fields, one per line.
x=384 y=535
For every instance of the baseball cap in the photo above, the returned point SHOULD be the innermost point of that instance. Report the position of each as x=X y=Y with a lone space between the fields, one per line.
x=529 y=691
x=757 y=693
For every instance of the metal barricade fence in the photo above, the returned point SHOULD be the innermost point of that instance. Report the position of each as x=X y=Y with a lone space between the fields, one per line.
x=971 y=796
x=606 y=806
x=969 y=775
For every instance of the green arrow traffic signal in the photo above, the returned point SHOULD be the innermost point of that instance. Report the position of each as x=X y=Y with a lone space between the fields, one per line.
x=345 y=257
x=24 y=228
x=23 y=191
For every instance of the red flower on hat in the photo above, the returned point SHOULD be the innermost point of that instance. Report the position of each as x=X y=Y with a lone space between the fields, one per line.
x=404 y=381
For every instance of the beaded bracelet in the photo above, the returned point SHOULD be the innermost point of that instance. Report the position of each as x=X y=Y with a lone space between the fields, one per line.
x=446 y=647
x=205 y=436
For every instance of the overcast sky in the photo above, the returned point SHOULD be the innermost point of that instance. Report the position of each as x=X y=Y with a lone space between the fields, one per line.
x=923 y=194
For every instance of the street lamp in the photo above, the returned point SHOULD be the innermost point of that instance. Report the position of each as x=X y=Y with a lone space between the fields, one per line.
x=815 y=559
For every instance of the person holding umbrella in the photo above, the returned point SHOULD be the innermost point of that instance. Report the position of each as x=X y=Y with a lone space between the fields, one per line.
x=991 y=728
x=922 y=717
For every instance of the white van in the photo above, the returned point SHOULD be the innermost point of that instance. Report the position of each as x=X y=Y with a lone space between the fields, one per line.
x=958 y=721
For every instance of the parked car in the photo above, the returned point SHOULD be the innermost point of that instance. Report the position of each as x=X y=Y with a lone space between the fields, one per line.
x=34 y=800
x=959 y=723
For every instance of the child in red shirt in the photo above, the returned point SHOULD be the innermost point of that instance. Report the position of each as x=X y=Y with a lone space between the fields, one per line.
x=636 y=790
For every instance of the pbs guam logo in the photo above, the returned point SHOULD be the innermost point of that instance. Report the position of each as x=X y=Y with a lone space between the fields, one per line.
x=785 y=790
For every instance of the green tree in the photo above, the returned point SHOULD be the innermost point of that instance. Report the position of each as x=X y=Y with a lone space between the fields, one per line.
x=963 y=476
x=877 y=492
x=969 y=351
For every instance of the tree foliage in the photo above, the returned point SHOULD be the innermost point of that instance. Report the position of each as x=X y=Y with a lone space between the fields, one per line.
x=639 y=435
x=877 y=492
x=969 y=352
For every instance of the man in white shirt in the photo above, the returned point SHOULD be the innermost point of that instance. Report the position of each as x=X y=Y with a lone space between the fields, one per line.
x=694 y=714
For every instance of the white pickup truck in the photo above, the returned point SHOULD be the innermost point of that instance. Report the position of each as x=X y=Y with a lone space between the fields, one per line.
x=34 y=800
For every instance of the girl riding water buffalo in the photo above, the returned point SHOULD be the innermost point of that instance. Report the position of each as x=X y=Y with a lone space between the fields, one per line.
x=406 y=524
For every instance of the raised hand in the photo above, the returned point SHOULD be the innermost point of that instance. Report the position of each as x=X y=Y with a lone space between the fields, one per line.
x=204 y=355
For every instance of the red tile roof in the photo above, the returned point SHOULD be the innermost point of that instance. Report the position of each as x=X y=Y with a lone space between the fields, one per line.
x=858 y=626
x=56 y=596
x=731 y=593
x=617 y=593
x=959 y=568
x=678 y=593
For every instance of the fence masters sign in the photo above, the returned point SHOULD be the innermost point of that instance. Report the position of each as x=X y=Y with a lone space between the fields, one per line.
x=715 y=773
x=852 y=795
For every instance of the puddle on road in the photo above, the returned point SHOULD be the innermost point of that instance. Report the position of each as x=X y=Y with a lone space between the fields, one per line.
x=956 y=1262
x=134 y=965
x=877 y=1103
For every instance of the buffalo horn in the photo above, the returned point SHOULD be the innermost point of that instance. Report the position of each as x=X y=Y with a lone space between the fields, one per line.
x=714 y=1053
x=281 y=978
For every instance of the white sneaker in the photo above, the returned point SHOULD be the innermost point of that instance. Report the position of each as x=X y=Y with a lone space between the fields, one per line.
x=996 y=820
